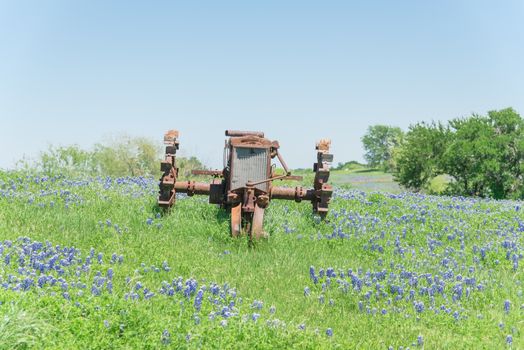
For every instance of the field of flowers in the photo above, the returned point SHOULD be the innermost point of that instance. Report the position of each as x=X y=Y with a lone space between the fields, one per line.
x=92 y=263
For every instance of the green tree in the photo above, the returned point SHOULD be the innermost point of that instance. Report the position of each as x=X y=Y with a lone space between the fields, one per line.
x=66 y=159
x=485 y=155
x=125 y=155
x=186 y=165
x=379 y=143
x=116 y=156
x=469 y=154
x=418 y=156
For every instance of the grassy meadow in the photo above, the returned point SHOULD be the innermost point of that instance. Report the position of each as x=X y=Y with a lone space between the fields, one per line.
x=92 y=263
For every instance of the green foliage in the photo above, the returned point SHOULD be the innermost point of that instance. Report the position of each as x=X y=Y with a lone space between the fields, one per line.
x=379 y=143
x=351 y=165
x=485 y=155
x=417 y=158
x=66 y=159
x=127 y=156
x=186 y=165
x=118 y=156
x=482 y=154
x=439 y=184
x=20 y=329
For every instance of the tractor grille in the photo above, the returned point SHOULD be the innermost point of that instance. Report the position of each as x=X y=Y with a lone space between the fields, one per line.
x=249 y=164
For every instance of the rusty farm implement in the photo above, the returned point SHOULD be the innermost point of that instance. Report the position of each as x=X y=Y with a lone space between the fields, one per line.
x=245 y=185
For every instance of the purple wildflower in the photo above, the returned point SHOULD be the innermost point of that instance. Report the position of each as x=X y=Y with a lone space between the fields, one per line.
x=507 y=306
x=307 y=291
x=329 y=332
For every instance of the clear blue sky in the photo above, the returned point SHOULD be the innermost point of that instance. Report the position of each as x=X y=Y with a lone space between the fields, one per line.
x=78 y=71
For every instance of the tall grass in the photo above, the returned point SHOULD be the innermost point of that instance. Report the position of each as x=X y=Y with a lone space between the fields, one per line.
x=383 y=240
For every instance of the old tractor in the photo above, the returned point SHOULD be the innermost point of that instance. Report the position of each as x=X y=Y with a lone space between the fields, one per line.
x=245 y=185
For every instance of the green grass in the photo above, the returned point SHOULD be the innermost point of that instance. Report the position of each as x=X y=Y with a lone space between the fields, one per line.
x=194 y=241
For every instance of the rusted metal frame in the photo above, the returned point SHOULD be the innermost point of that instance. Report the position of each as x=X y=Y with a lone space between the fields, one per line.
x=238 y=133
x=280 y=177
x=250 y=141
x=216 y=192
x=283 y=163
x=257 y=226
x=323 y=191
x=247 y=142
x=215 y=173
x=191 y=187
x=236 y=220
x=297 y=194
x=247 y=204
x=293 y=178
x=248 y=201
x=167 y=193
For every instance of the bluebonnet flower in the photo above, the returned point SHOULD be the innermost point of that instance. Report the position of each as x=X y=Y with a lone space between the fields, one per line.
x=272 y=309
x=95 y=290
x=255 y=316
x=509 y=339
x=312 y=274
x=198 y=300
x=307 y=291
x=166 y=337
x=330 y=272
x=26 y=284
x=257 y=304
x=214 y=289
x=329 y=332
x=419 y=306
x=149 y=221
x=420 y=340
x=507 y=306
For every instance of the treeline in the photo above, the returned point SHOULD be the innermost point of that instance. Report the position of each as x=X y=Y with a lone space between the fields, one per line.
x=478 y=155
x=121 y=156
